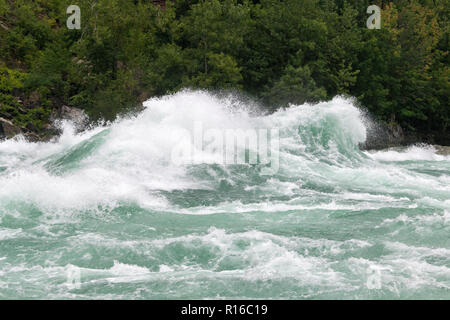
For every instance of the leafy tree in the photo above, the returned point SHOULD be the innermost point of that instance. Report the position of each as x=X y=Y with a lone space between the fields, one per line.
x=283 y=52
x=295 y=86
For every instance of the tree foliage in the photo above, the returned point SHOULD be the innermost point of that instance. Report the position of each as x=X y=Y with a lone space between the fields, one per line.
x=287 y=51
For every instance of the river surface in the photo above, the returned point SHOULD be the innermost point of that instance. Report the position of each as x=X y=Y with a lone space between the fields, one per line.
x=109 y=214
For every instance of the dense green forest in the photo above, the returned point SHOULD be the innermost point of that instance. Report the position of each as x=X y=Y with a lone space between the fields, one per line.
x=276 y=51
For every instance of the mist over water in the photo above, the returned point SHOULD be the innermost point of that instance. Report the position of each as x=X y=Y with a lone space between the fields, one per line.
x=333 y=222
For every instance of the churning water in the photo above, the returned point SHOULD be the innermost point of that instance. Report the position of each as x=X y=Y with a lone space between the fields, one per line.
x=107 y=214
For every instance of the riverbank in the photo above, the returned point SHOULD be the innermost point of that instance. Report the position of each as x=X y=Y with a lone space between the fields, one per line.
x=50 y=129
x=379 y=135
x=382 y=136
x=277 y=52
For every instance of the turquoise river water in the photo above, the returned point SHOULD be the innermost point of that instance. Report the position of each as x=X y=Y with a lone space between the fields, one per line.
x=107 y=214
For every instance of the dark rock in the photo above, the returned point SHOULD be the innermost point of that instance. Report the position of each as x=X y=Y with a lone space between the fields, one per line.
x=8 y=129
x=75 y=115
x=442 y=150
x=6 y=115
x=31 y=127
x=21 y=110
x=4 y=26
x=33 y=99
x=32 y=137
x=382 y=136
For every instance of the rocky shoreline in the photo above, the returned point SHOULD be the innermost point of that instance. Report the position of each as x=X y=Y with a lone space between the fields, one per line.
x=379 y=136
x=75 y=115
x=383 y=136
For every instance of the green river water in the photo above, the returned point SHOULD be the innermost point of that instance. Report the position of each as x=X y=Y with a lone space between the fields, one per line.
x=110 y=209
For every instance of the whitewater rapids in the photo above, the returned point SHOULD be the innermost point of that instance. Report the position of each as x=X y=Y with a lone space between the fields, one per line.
x=333 y=222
